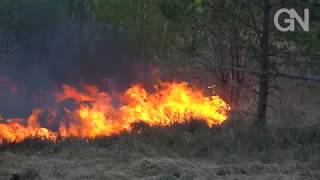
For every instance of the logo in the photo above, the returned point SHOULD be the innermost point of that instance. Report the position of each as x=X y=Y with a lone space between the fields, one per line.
x=289 y=23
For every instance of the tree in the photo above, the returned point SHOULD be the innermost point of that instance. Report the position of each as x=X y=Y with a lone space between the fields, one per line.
x=264 y=66
x=244 y=28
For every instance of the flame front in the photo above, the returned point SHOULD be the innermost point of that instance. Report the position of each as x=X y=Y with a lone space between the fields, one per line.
x=95 y=114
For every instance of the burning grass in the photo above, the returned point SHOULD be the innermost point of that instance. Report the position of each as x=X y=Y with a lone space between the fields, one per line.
x=95 y=115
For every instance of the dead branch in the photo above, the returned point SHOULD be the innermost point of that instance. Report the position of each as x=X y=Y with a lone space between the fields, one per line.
x=7 y=55
x=275 y=74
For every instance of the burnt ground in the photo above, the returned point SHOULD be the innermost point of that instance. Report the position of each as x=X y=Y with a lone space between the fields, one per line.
x=184 y=151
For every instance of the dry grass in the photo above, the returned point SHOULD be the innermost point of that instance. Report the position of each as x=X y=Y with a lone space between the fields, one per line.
x=182 y=151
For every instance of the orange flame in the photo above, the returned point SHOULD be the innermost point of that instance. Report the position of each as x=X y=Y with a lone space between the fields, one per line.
x=96 y=116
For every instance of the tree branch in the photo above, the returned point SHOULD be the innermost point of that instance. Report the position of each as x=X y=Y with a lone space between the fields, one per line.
x=6 y=56
x=276 y=74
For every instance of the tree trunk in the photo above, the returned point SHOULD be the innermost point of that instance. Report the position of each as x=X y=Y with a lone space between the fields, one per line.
x=264 y=66
x=235 y=75
x=143 y=29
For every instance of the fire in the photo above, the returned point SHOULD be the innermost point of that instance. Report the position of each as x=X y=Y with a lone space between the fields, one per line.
x=96 y=115
x=15 y=131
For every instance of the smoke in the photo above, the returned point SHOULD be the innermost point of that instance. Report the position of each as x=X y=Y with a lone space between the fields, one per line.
x=71 y=53
x=65 y=54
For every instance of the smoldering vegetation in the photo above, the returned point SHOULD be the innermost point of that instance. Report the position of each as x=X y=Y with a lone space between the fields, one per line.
x=191 y=150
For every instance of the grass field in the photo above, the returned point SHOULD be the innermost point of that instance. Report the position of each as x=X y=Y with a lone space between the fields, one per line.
x=182 y=151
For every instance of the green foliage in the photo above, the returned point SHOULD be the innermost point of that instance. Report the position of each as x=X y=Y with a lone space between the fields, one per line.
x=178 y=10
x=154 y=25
